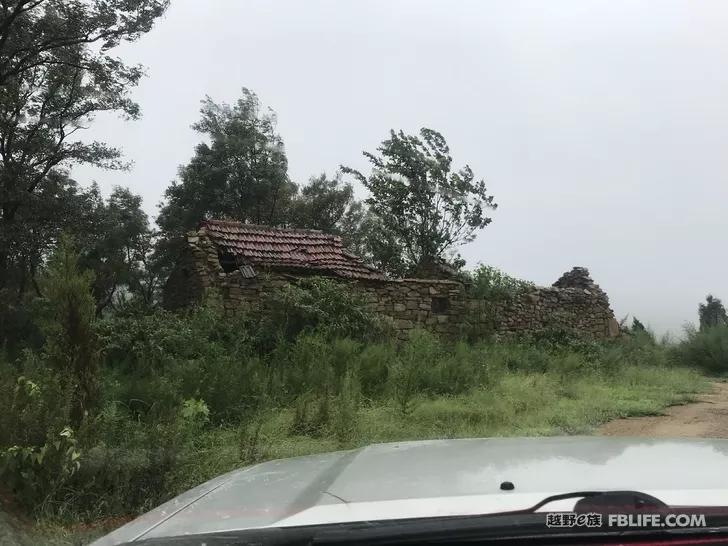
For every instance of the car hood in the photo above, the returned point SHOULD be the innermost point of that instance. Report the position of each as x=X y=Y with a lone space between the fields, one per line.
x=438 y=478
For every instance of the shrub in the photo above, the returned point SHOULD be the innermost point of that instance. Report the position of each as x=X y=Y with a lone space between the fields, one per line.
x=490 y=283
x=33 y=401
x=69 y=312
x=37 y=475
x=329 y=307
x=374 y=368
x=346 y=407
x=156 y=360
x=706 y=349
x=153 y=340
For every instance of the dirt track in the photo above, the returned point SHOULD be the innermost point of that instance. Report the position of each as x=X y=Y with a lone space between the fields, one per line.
x=706 y=418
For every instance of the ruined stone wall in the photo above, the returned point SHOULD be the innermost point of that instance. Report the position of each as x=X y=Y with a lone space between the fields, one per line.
x=196 y=271
x=582 y=311
x=445 y=307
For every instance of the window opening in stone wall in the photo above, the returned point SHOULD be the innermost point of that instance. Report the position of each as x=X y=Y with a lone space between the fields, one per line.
x=227 y=262
x=440 y=305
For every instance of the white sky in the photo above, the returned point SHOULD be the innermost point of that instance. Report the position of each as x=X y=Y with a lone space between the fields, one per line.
x=601 y=127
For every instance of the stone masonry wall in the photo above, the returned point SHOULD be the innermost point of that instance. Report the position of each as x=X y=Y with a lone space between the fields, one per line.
x=575 y=302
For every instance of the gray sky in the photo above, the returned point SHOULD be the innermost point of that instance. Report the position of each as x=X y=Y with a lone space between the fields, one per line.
x=600 y=126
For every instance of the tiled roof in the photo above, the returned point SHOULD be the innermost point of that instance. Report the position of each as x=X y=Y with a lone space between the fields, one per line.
x=297 y=249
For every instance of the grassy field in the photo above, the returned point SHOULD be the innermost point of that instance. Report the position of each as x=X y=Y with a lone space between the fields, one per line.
x=519 y=404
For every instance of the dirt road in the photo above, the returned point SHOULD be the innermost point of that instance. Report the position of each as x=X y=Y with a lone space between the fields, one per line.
x=706 y=418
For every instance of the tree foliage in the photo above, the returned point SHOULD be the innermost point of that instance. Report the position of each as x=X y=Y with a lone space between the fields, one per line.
x=55 y=74
x=491 y=283
x=36 y=33
x=637 y=325
x=117 y=244
x=323 y=305
x=322 y=204
x=423 y=207
x=712 y=313
x=71 y=343
x=114 y=240
x=240 y=174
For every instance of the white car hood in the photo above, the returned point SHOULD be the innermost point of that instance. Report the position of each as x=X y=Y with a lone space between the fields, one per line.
x=438 y=478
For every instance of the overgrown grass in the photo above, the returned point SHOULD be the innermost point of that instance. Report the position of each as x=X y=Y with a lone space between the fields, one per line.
x=518 y=403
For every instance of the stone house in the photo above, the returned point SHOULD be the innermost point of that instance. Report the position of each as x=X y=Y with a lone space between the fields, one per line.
x=243 y=262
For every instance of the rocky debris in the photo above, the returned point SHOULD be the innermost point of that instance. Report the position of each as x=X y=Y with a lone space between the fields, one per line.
x=578 y=277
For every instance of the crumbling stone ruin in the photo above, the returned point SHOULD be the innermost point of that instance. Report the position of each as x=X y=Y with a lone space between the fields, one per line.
x=244 y=262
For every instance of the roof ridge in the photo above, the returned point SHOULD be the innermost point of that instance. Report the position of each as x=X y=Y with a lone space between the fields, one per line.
x=265 y=227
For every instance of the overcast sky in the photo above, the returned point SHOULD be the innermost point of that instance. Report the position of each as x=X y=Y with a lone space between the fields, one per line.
x=601 y=127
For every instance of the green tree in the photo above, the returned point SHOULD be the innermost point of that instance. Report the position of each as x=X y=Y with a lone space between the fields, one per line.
x=241 y=174
x=322 y=204
x=68 y=324
x=116 y=243
x=637 y=326
x=56 y=73
x=55 y=206
x=113 y=235
x=424 y=208
x=35 y=33
x=361 y=232
x=711 y=313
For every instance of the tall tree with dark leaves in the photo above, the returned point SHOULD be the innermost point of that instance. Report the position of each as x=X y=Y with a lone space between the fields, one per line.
x=712 y=313
x=55 y=74
x=321 y=204
x=37 y=33
x=113 y=235
x=424 y=208
x=116 y=245
x=240 y=174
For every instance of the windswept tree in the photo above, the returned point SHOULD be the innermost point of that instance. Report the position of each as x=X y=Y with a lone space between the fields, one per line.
x=240 y=174
x=711 y=313
x=55 y=74
x=37 y=33
x=423 y=207
x=322 y=204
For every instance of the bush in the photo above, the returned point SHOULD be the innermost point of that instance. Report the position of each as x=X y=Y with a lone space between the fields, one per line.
x=374 y=368
x=33 y=401
x=490 y=283
x=39 y=475
x=323 y=305
x=68 y=317
x=706 y=349
x=157 y=360
x=153 y=340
